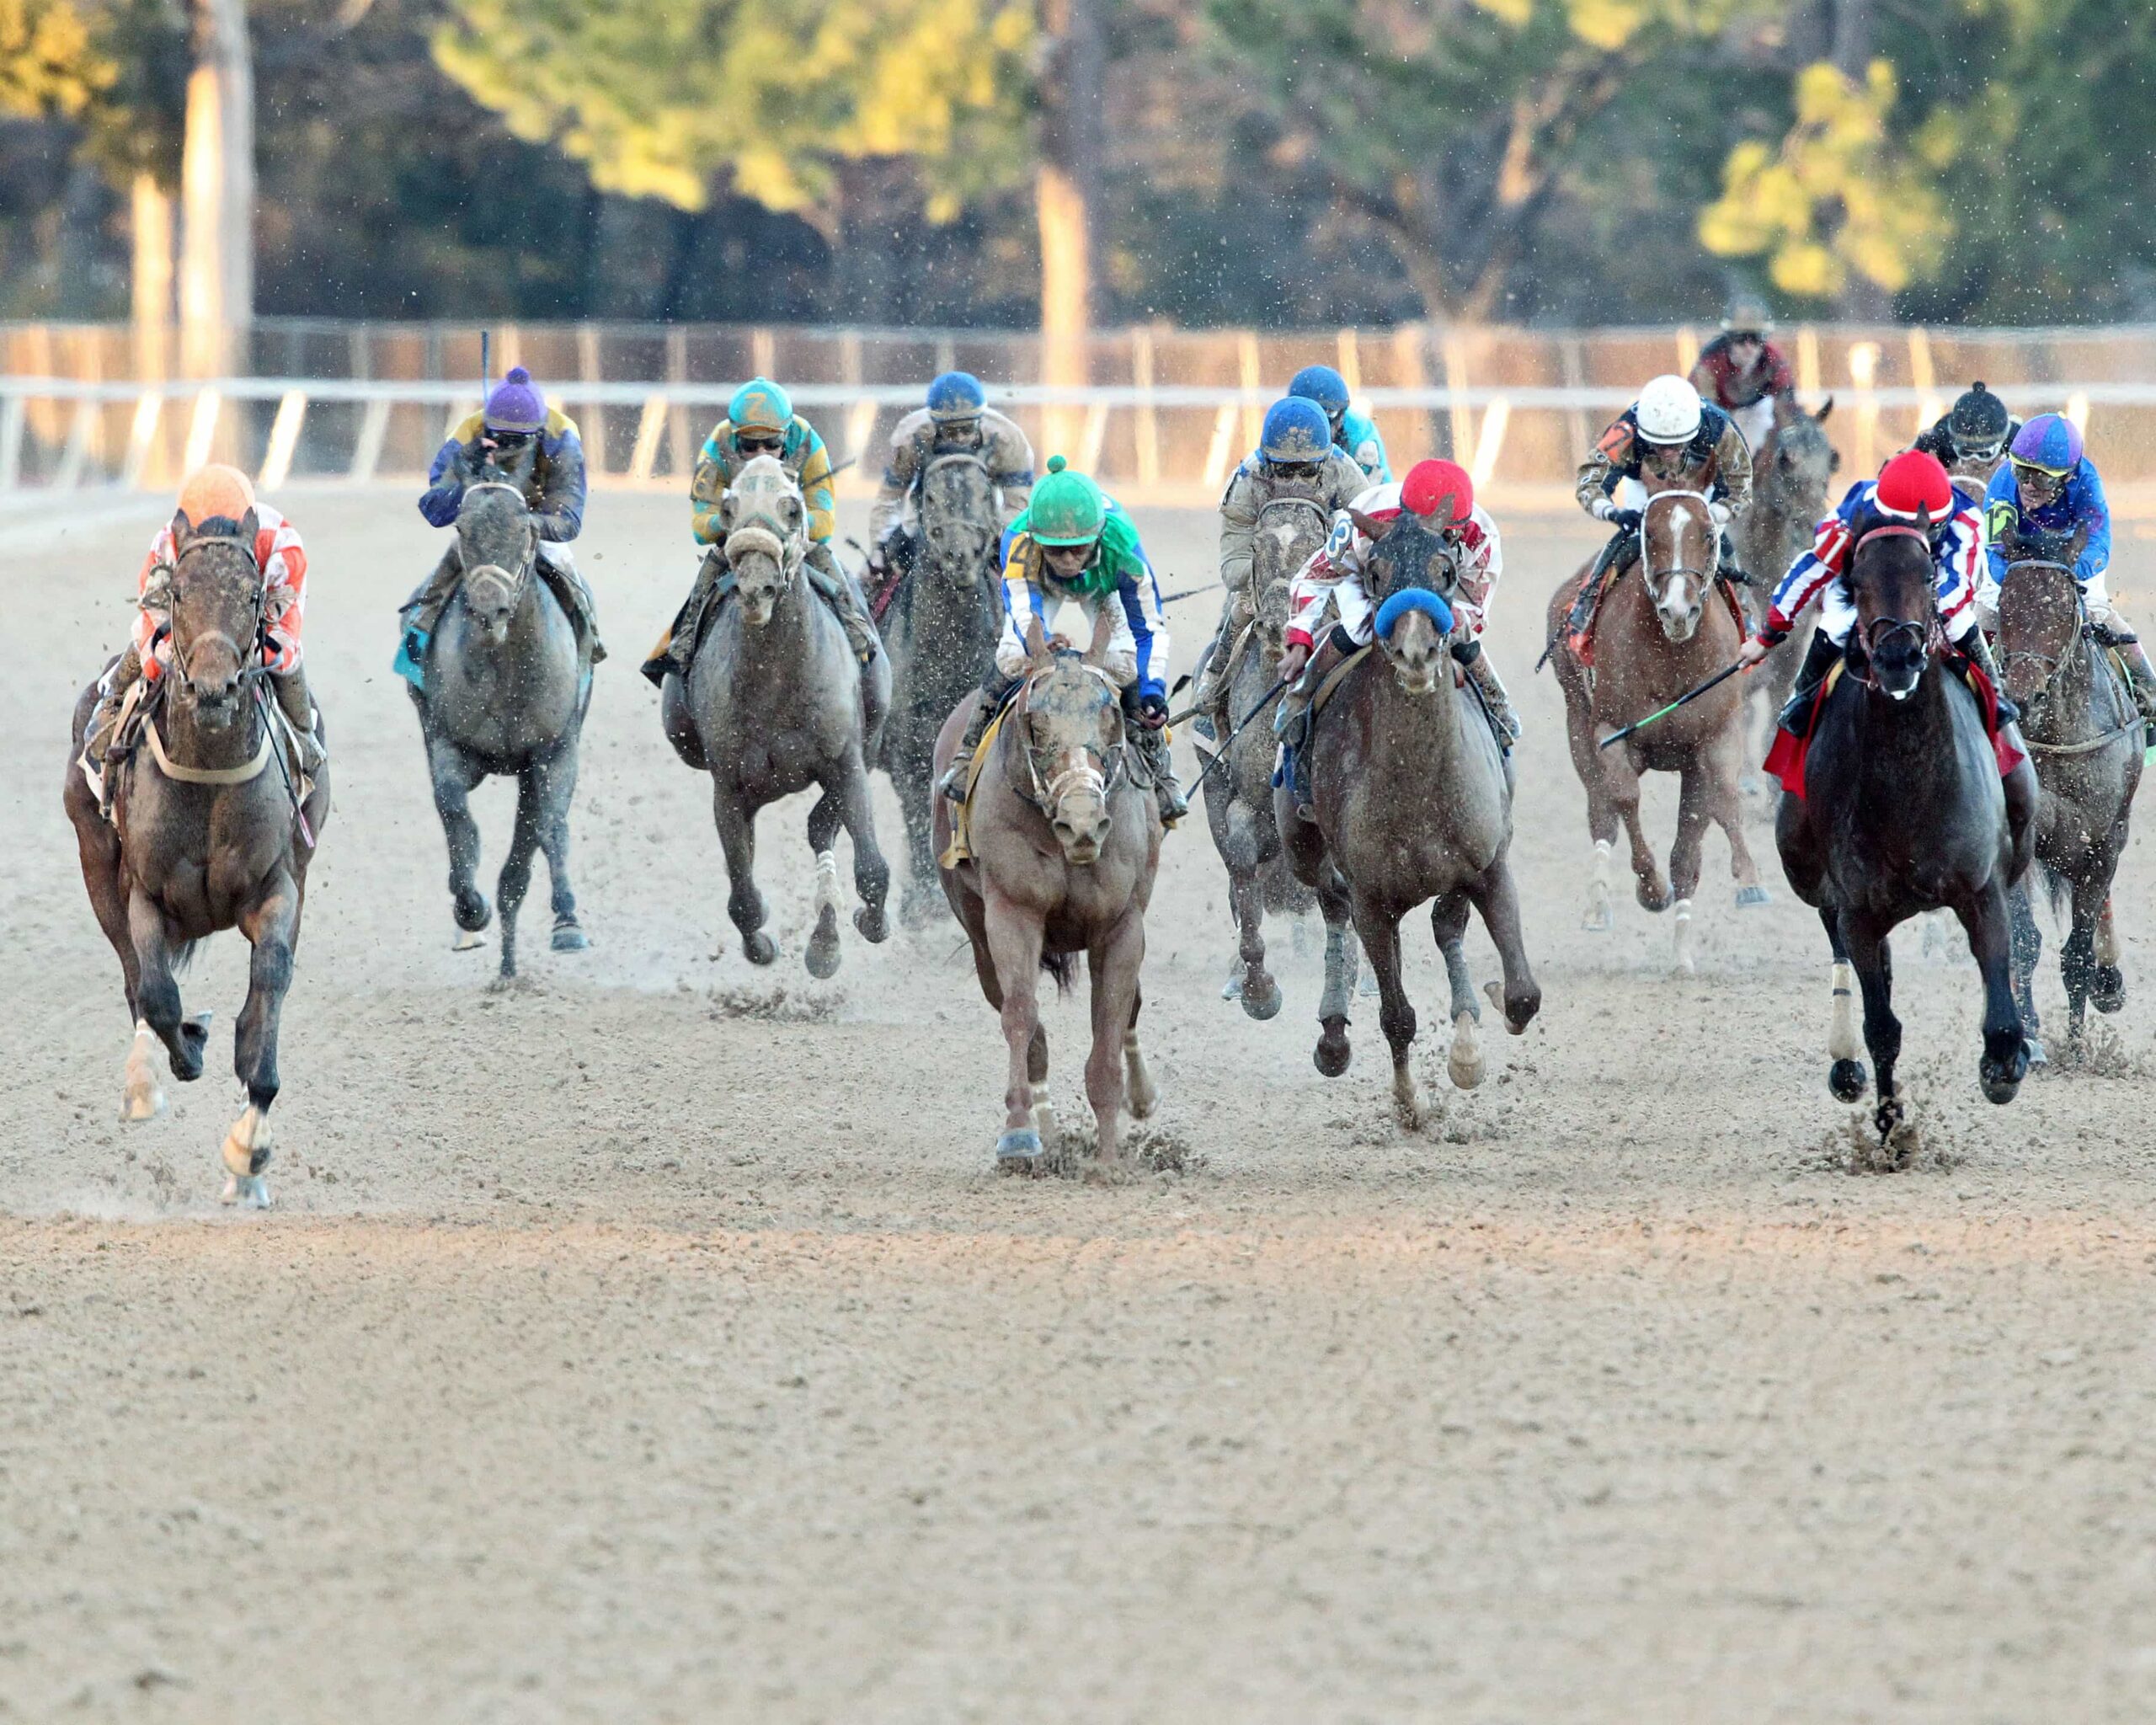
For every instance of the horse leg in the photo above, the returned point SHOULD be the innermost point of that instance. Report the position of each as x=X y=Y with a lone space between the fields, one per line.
x=737 y=838
x=871 y=873
x=269 y=925
x=516 y=877
x=2005 y=1061
x=822 y=957
x=1494 y=895
x=1464 y=1061
x=1845 y=1076
x=157 y=994
x=1624 y=779
x=1138 y=1082
x=912 y=777
x=2109 y=993
x=1113 y=961
x=555 y=778
x=2025 y=948
x=2077 y=959
x=1036 y=1076
x=1260 y=994
x=1723 y=770
x=1865 y=939
x=1333 y=1051
x=1380 y=935
x=1601 y=811
x=1685 y=856
x=143 y=1097
x=452 y=773
x=1014 y=944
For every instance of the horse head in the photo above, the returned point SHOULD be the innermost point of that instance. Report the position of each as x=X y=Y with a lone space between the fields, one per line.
x=2039 y=624
x=1798 y=463
x=1289 y=530
x=1677 y=556
x=1414 y=577
x=215 y=603
x=766 y=536
x=1069 y=721
x=957 y=518
x=1890 y=579
x=497 y=545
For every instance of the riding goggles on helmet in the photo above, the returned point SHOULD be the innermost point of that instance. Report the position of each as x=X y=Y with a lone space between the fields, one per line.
x=1988 y=450
x=759 y=442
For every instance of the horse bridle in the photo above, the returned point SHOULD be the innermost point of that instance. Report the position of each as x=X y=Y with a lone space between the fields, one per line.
x=251 y=661
x=1926 y=632
x=514 y=582
x=1044 y=793
x=1704 y=577
x=971 y=458
x=2053 y=663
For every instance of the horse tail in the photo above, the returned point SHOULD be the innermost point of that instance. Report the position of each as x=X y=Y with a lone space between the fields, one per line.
x=1063 y=967
x=179 y=955
x=2059 y=891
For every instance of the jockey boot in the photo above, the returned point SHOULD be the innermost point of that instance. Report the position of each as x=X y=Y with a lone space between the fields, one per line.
x=1620 y=554
x=831 y=581
x=675 y=647
x=1152 y=747
x=1977 y=650
x=1495 y=701
x=298 y=707
x=568 y=586
x=98 y=736
x=952 y=784
x=2135 y=658
x=1292 y=718
x=1818 y=659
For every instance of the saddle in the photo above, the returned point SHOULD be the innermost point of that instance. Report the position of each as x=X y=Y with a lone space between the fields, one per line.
x=960 y=849
x=1786 y=757
x=1586 y=608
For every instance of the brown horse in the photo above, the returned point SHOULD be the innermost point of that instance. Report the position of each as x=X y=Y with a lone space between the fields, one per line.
x=1655 y=635
x=2085 y=737
x=1063 y=849
x=1791 y=476
x=204 y=838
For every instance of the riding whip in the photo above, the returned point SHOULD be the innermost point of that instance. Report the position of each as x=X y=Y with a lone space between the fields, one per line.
x=277 y=754
x=1227 y=742
x=1720 y=676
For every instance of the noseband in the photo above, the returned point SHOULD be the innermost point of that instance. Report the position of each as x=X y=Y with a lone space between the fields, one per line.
x=1929 y=635
x=1704 y=577
x=514 y=582
x=1044 y=793
x=251 y=665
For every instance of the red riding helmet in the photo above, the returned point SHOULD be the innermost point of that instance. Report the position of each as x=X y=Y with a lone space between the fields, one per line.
x=1428 y=484
x=1914 y=481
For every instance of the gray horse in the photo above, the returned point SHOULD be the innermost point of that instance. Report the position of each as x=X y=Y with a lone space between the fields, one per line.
x=1790 y=480
x=204 y=837
x=1414 y=802
x=776 y=701
x=1239 y=791
x=505 y=691
x=941 y=632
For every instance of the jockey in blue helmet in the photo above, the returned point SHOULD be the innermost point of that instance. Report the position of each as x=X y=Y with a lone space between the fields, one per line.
x=1295 y=458
x=2048 y=502
x=1356 y=433
x=958 y=420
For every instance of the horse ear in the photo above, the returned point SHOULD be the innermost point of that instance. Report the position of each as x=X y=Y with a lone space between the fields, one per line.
x=792 y=507
x=1826 y=407
x=1443 y=512
x=1103 y=632
x=1370 y=530
x=1833 y=461
x=182 y=530
x=1923 y=519
x=249 y=526
x=1036 y=641
x=726 y=505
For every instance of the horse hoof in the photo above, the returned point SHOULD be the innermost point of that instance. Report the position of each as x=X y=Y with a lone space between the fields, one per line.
x=247 y=1191
x=822 y=957
x=142 y=1104
x=187 y=1064
x=2001 y=1080
x=467 y=941
x=1265 y=1003
x=872 y=924
x=1407 y=1109
x=1518 y=1014
x=570 y=939
x=1599 y=919
x=1846 y=1079
x=759 y=949
x=1019 y=1145
x=2034 y=1048
x=2107 y=989
x=473 y=911
x=1652 y=897
x=1232 y=988
x=1332 y=1053
x=1751 y=898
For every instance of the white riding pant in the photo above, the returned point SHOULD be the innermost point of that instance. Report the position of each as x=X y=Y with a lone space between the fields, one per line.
x=1755 y=422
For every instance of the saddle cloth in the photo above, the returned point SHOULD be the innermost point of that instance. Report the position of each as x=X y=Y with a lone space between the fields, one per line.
x=1789 y=752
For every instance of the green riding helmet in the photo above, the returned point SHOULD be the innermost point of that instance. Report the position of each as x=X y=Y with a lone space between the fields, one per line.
x=760 y=405
x=1067 y=508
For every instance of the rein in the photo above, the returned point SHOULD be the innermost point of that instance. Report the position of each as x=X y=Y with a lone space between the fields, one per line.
x=1704 y=577
x=2053 y=664
x=1043 y=794
x=514 y=582
x=252 y=670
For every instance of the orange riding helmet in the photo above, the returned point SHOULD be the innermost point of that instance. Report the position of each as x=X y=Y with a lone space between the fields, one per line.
x=214 y=491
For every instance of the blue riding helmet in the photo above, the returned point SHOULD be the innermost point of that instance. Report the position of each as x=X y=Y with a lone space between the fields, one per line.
x=2050 y=443
x=1295 y=431
x=1324 y=386
x=956 y=395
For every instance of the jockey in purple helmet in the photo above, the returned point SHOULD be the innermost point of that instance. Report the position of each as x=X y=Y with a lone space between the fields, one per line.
x=2048 y=502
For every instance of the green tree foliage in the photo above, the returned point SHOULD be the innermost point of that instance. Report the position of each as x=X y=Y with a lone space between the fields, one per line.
x=49 y=64
x=678 y=99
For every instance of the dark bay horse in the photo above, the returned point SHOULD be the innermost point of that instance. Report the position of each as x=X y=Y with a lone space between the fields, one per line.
x=2085 y=736
x=204 y=838
x=1903 y=812
x=1662 y=627
x=1412 y=801
x=1239 y=791
x=1064 y=850
x=1792 y=474
x=776 y=701
x=941 y=632
x=505 y=693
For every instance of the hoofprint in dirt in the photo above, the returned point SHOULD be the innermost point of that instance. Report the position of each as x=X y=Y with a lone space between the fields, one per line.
x=651 y=1338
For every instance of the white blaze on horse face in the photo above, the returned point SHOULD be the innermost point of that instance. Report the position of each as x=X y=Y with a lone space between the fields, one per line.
x=1078 y=799
x=1415 y=649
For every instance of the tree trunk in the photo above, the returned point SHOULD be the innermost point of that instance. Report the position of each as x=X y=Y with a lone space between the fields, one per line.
x=1064 y=192
x=151 y=208
x=217 y=282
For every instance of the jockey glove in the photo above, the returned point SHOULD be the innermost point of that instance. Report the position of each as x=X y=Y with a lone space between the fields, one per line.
x=1152 y=711
x=1626 y=521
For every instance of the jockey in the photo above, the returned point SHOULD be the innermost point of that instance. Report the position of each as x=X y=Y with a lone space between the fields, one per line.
x=516 y=437
x=1355 y=433
x=1972 y=439
x=1296 y=456
x=1668 y=433
x=1074 y=544
x=1334 y=575
x=2048 y=501
x=1744 y=374
x=1913 y=483
x=957 y=420
x=761 y=420
x=219 y=493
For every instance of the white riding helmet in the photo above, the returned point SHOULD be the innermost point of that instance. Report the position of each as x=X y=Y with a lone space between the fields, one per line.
x=1668 y=410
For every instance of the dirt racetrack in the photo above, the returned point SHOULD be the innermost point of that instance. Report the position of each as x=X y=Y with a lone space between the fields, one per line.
x=655 y=1342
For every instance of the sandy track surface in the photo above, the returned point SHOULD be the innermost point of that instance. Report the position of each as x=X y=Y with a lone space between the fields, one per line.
x=653 y=1341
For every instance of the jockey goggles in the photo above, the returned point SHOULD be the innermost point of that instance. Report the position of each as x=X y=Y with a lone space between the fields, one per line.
x=1989 y=450
x=760 y=442
x=1291 y=470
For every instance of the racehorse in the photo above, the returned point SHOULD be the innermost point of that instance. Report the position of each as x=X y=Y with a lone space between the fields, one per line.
x=1239 y=791
x=1901 y=812
x=1654 y=638
x=775 y=701
x=1061 y=849
x=2082 y=730
x=1790 y=482
x=204 y=837
x=940 y=631
x=1412 y=801
x=505 y=692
